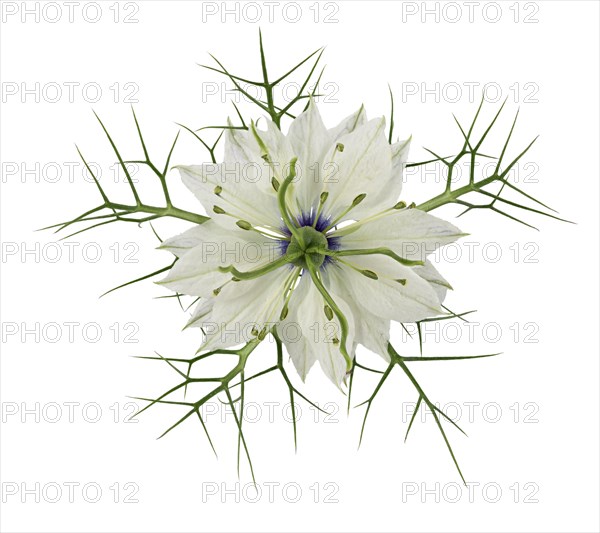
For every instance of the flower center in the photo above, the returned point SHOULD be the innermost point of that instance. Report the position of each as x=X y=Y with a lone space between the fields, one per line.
x=307 y=245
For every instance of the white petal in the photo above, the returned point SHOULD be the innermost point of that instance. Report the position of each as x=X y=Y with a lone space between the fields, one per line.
x=389 y=189
x=399 y=157
x=240 y=145
x=203 y=309
x=349 y=124
x=239 y=195
x=372 y=331
x=243 y=306
x=407 y=301
x=410 y=233
x=244 y=146
x=310 y=140
x=313 y=334
x=363 y=167
x=184 y=242
x=297 y=345
x=439 y=284
x=280 y=150
x=277 y=150
x=197 y=271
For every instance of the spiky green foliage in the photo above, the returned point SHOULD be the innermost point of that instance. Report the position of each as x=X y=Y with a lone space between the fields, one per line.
x=268 y=105
x=500 y=176
x=138 y=211
x=397 y=360
x=224 y=385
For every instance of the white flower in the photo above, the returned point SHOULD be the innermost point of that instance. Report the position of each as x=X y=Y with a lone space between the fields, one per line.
x=307 y=236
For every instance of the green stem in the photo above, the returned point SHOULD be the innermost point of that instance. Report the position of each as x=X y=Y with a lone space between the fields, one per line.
x=375 y=251
x=448 y=197
x=399 y=360
x=322 y=201
x=168 y=211
x=338 y=218
x=285 y=215
x=334 y=307
x=253 y=274
x=350 y=228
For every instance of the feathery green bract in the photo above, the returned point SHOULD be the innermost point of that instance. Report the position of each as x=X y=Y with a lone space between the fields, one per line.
x=224 y=385
x=471 y=149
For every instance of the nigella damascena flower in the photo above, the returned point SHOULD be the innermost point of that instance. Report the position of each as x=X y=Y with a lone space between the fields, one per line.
x=308 y=241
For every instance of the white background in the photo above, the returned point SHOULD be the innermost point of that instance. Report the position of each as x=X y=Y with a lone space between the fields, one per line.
x=537 y=456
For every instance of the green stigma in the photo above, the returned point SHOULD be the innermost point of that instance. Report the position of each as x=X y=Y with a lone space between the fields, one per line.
x=307 y=242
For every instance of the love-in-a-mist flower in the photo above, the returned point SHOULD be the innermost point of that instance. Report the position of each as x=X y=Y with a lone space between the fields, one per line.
x=307 y=236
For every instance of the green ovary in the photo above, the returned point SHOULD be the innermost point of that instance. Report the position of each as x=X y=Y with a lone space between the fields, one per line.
x=307 y=242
